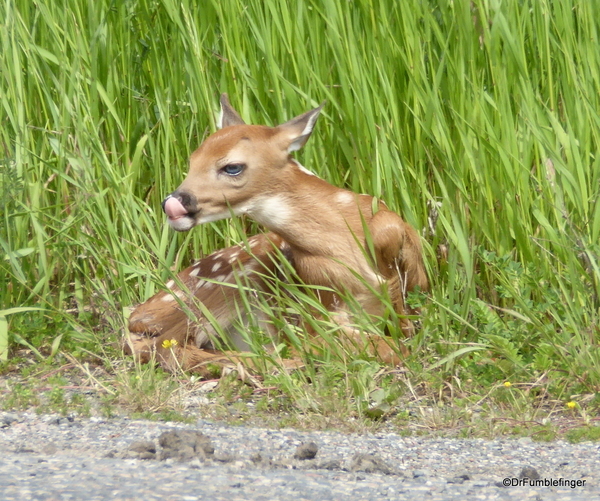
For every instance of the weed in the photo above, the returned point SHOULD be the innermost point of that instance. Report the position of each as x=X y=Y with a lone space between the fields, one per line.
x=583 y=434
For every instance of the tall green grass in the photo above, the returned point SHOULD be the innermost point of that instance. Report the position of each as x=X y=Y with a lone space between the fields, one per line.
x=485 y=110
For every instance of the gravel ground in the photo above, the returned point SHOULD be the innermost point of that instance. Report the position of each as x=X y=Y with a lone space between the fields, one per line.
x=58 y=458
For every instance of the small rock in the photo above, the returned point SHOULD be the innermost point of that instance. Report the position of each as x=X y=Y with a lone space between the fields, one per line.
x=421 y=473
x=330 y=464
x=49 y=449
x=306 y=451
x=224 y=457
x=529 y=472
x=369 y=463
x=8 y=419
x=142 y=449
x=287 y=463
x=64 y=421
x=143 y=446
x=185 y=445
x=184 y=453
x=464 y=477
x=23 y=449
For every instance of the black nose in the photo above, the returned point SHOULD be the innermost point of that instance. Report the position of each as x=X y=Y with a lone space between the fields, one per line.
x=188 y=201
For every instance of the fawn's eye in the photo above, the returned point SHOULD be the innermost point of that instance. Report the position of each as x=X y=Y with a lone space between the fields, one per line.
x=233 y=169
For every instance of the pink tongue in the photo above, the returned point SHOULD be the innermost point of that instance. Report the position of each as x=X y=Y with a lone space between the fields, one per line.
x=174 y=209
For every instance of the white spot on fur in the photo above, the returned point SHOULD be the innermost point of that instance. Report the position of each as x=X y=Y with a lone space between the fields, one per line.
x=194 y=272
x=201 y=283
x=216 y=266
x=167 y=298
x=233 y=256
x=344 y=197
x=170 y=284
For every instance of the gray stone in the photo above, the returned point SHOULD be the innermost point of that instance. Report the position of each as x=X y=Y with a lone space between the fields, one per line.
x=184 y=445
x=50 y=449
x=369 y=463
x=224 y=457
x=142 y=449
x=8 y=419
x=529 y=472
x=330 y=464
x=306 y=451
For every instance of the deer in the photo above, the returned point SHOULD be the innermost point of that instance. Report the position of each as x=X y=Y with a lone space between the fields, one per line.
x=342 y=243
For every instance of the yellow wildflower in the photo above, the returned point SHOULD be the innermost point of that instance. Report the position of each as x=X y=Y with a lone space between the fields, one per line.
x=571 y=404
x=507 y=384
x=169 y=343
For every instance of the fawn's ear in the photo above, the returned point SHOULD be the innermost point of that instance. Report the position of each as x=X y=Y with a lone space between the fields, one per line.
x=228 y=116
x=296 y=132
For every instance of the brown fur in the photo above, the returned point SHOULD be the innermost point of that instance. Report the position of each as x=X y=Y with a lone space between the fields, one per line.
x=323 y=230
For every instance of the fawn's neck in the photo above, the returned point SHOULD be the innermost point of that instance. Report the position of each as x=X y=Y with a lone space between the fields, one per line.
x=324 y=227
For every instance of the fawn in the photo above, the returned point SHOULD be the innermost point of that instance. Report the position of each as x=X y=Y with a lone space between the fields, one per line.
x=321 y=230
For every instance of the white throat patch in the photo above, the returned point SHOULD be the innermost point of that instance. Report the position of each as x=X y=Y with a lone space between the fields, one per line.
x=271 y=211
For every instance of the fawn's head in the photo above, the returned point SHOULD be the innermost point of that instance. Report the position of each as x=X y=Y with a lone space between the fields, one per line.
x=237 y=169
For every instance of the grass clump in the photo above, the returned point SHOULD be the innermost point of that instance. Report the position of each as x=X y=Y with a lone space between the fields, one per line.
x=477 y=121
